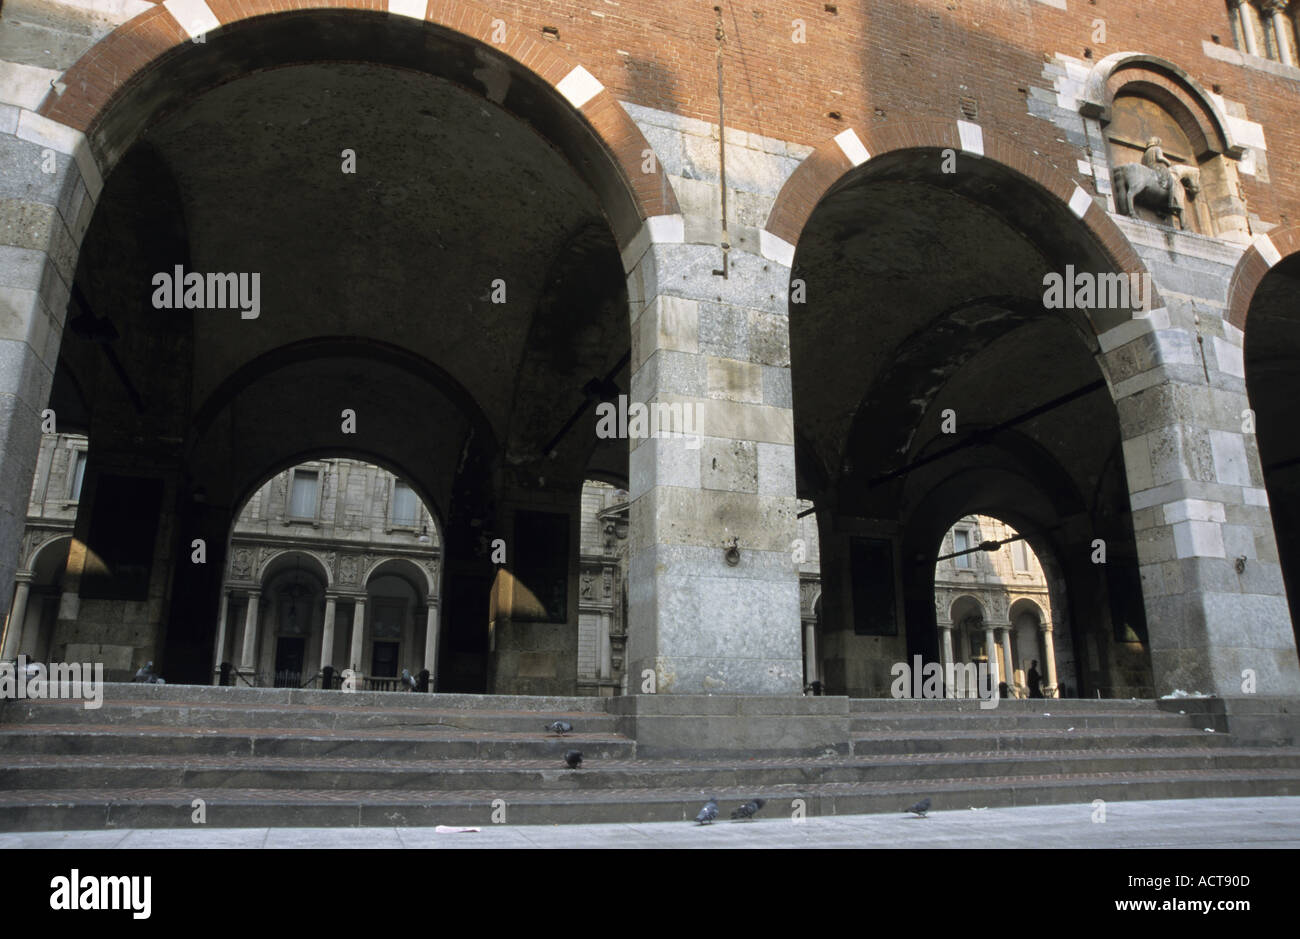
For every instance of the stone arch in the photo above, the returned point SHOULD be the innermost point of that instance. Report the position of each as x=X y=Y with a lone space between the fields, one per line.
x=92 y=104
x=322 y=569
x=28 y=565
x=833 y=163
x=1026 y=605
x=965 y=600
x=1200 y=116
x=1262 y=255
x=395 y=566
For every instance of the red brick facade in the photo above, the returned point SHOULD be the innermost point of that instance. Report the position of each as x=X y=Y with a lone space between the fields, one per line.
x=874 y=63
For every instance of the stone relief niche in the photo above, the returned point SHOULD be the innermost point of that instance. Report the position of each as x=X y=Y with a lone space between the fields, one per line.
x=1173 y=160
x=1154 y=172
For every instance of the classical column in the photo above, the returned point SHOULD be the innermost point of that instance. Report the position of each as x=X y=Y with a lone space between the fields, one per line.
x=809 y=641
x=1246 y=26
x=358 y=633
x=1049 y=661
x=249 y=662
x=222 y=614
x=327 y=632
x=603 y=668
x=17 y=616
x=431 y=643
x=945 y=651
x=1006 y=658
x=1281 y=29
x=991 y=651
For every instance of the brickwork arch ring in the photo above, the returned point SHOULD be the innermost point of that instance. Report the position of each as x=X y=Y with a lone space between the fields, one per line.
x=1262 y=255
x=832 y=164
x=153 y=63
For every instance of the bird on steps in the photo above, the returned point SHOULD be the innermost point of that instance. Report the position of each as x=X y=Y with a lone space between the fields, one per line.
x=749 y=809
x=708 y=813
x=920 y=808
x=560 y=728
x=146 y=675
x=573 y=758
x=409 y=683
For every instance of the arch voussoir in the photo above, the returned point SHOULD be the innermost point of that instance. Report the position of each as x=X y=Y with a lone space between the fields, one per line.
x=828 y=165
x=89 y=88
x=1264 y=252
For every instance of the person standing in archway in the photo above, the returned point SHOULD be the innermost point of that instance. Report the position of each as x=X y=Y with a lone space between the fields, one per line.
x=1033 y=679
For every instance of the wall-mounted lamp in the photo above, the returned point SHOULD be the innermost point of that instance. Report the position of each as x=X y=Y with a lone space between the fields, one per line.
x=1240 y=564
x=732 y=553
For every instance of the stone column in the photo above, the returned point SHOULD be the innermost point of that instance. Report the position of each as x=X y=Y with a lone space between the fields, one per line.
x=945 y=653
x=1008 y=668
x=358 y=635
x=1281 y=29
x=1049 y=662
x=1196 y=485
x=603 y=669
x=1246 y=26
x=431 y=643
x=327 y=632
x=810 y=651
x=222 y=614
x=17 y=616
x=42 y=220
x=717 y=350
x=249 y=661
x=991 y=651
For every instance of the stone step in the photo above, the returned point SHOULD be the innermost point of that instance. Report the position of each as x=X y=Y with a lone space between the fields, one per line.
x=309 y=697
x=1145 y=706
x=1001 y=721
x=267 y=716
x=89 y=809
x=208 y=775
x=958 y=741
x=424 y=743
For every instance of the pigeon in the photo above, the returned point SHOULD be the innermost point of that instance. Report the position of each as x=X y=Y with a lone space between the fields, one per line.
x=708 y=813
x=147 y=676
x=560 y=727
x=410 y=683
x=749 y=809
x=573 y=758
x=921 y=807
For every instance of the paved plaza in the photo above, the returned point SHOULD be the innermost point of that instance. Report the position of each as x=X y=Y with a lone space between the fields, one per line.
x=1272 y=822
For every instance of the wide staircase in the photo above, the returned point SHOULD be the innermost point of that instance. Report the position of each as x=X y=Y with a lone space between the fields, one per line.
x=275 y=757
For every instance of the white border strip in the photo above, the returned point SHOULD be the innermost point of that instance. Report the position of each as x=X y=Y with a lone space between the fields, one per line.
x=775 y=248
x=658 y=229
x=1267 y=250
x=972 y=137
x=579 y=86
x=1080 y=201
x=193 y=16
x=853 y=147
x=415 y=9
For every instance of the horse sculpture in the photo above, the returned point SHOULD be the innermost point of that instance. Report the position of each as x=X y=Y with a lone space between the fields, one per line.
x=1155 y=187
